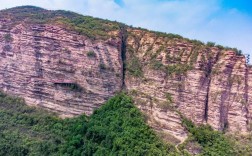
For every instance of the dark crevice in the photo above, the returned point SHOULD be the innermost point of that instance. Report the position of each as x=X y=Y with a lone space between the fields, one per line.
x=38 y=85
x=225 y=96
x=210 y=64
x=123 y=35
x=246 y=93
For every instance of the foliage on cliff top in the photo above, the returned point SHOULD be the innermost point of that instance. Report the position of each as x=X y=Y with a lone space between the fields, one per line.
x=117 y=128
x=94 y=28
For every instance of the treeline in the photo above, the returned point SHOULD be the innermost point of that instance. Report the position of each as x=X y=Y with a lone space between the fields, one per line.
x=117 y=128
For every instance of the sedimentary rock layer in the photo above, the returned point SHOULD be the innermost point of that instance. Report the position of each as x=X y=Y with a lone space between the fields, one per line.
x=70 y=73
x=206 y=84
x=62 y=71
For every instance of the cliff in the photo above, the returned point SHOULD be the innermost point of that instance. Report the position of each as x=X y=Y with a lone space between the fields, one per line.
x=71 y=64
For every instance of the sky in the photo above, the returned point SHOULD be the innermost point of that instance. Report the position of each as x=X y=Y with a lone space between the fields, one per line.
x=225 y=22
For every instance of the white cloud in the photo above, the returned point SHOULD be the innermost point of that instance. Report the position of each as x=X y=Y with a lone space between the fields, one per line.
x=196 y=19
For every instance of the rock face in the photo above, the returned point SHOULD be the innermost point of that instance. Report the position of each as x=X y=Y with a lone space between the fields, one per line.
x=206 y=84
x=69 y=73
x=59 y=70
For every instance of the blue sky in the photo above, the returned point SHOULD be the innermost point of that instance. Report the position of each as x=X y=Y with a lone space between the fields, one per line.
x=226 y=22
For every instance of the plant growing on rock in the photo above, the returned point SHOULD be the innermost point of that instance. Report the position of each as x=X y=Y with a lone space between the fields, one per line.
x=102 y=66
x=213 y=142
x=210 y=44
x=91 y=54
x=8 y=37
x=134 y=67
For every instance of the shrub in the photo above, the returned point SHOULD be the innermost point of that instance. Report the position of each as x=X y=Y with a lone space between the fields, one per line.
x=71 y=86
x=102 y=66
x=8 y=38
x=210 y=44
x=177 y=69
x=134 y=67
x=220 y=47
x=91 y=54
x=239 y=52
x=168 y=97
x=171 y=69
x=213 y=142
x=196 y=42
x=157 y=65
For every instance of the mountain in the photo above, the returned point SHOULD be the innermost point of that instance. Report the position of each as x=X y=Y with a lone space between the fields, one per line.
x=72 y=64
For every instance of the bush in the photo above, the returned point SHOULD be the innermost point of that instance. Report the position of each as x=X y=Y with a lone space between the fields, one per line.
x=91 y=54
x=71 y=86
x=177 y=69
x=8 y=38
x=102 y=66
x=171 y=69
x=213 y=142
x=134 y=67
x=210 y=44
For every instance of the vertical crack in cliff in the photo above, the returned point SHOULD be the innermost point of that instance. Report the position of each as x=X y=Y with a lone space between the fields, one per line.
x=246 y=94
x=226 y=94
x=123 y=35
x=38 y=85
x=210 y=65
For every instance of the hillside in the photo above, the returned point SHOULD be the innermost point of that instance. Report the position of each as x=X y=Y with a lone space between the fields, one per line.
x=112 y=129
x=117 y=128
x=72 y=64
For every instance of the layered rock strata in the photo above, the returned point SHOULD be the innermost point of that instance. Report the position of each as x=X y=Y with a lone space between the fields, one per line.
x=59 y=69
x=206 y=84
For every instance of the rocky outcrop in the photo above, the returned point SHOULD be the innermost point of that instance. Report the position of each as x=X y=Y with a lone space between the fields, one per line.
x=206 y=84
x=60 y=69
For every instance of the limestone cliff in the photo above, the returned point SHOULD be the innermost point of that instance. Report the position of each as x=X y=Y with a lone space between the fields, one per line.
x=206 y=84
x=71 y=64
x=61 y=70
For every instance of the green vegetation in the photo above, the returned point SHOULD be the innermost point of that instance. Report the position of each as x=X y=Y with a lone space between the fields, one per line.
x=134 y=67
x=94 y=28
x=102 y=66
x=210 y=44
x=196 y=42
x=169 y=97
x=170 y=69
x=214 y=143
x=194 y=56
x=117 y=128
x=168 y=104
x=71 y=86
x=243 y=144
x=8 y=38
x=91 y=54
x=156 y=65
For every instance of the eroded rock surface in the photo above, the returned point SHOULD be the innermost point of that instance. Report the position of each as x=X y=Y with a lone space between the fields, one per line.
x=206 y=84
x=56 y=68
x=62 y=71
